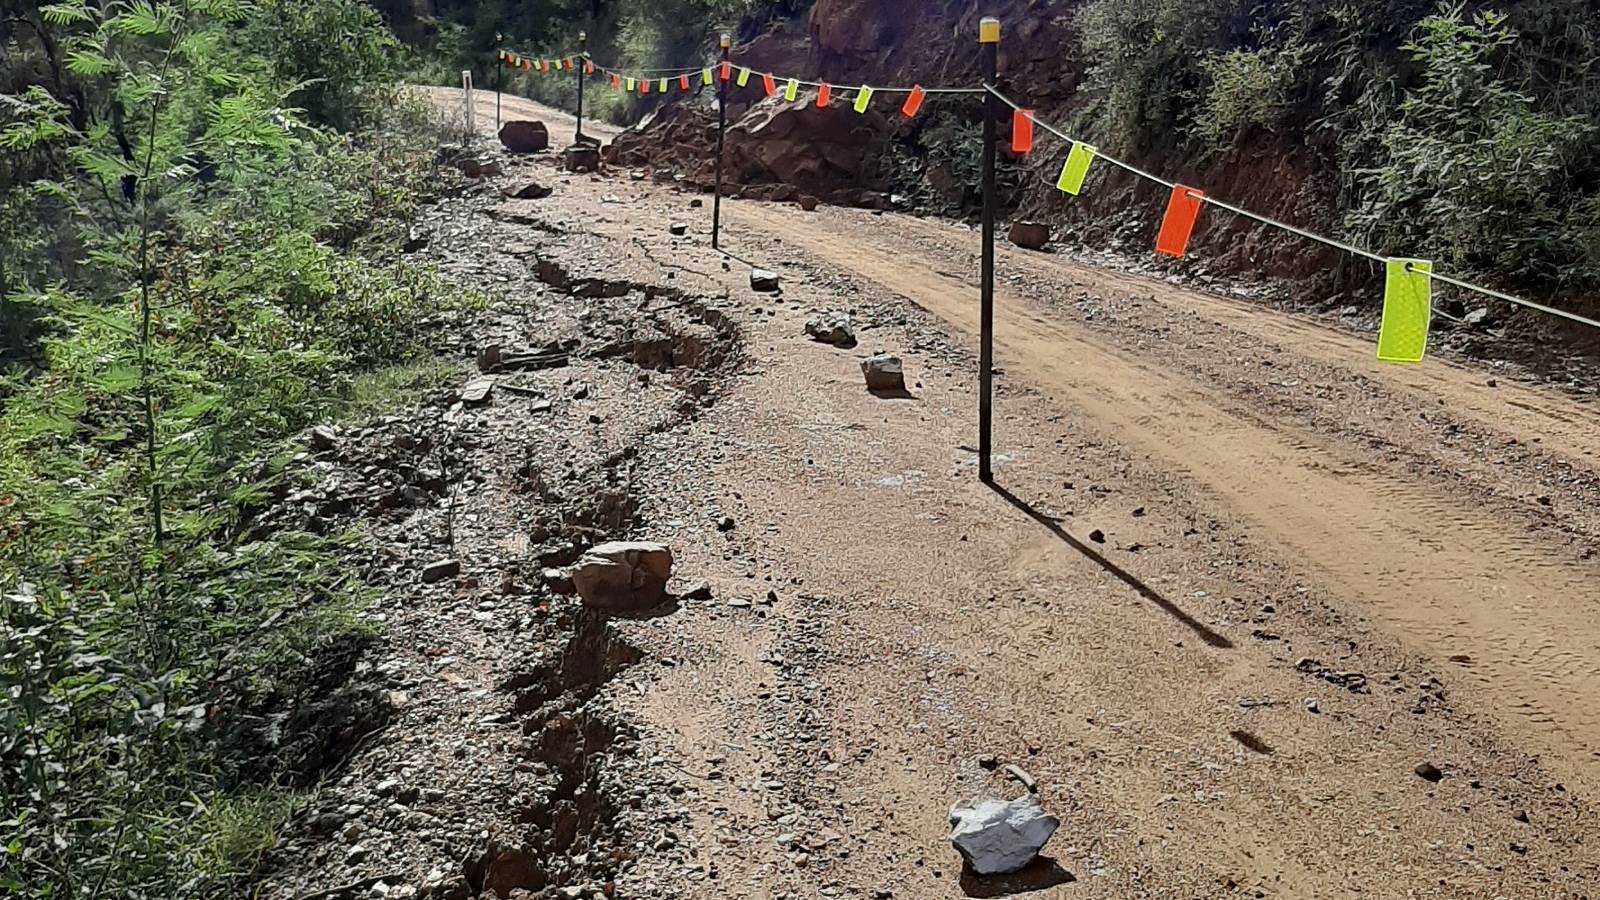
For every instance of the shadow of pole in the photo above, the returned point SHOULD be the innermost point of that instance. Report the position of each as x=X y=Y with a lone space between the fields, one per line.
x=1206 y=634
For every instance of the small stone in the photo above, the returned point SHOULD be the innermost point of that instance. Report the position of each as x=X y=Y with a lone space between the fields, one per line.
x=1029 y=235
x=355 y=854
x=884 y=373
x=477 y=391
x=526 y=189
x=763 y=281
x=1429 y=772
x=440 y=570
x=1098 y=536
x=696 y=203
x=1520 y=815
x=808 y=202
x=581 y=158
x=832 y=327
x=995 y=837
x=725 y=523
x=678 y=229
x=323 y=438
x=559 y=581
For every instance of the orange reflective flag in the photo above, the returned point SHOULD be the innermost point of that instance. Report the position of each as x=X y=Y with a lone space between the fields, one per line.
x=823 y=93
x=1021 y=131
x=769 y=84
x=588 y=67
x=913 y=101
x=726 y=70
x=616 y=80
x=683 y=82
x=1182 y=210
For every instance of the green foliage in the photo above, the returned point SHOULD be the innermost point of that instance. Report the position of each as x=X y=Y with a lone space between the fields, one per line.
x=1244 y=88
x=1460 y=131
x=1470 y=170
x=205 y=270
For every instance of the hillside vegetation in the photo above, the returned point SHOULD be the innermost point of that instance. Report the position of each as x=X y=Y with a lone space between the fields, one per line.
x=199 y=205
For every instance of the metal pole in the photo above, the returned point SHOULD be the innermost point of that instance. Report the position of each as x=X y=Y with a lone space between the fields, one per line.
x=583 y=55
x=499 y=74
x=989 y=42
x=466 y=93
x=722 y=127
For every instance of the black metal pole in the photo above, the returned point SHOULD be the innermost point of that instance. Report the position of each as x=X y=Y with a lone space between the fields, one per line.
x=722 y=127
x=989 y=41
x=583 y=57
x=499 y=73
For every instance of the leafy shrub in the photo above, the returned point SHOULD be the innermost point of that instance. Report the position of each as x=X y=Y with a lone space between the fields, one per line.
x=209 y=270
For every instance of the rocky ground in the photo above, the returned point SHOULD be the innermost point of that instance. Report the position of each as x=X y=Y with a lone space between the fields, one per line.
x=1254 y=618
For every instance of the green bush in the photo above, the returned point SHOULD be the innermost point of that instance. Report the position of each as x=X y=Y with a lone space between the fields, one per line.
x=208 y=270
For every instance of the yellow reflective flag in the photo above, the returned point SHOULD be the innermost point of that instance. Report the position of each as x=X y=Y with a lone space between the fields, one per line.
x=1077 y=166
x=1407 y=311
x=863 y=97
x=790 y=89
x=662 y=86
x=630 y=84
x=744 y=77
x=705 y=76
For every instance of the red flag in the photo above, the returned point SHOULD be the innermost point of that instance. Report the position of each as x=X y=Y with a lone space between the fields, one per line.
x=768 y=84
x=823 y=93
x=913 y=101
x=726 y=70
x=683 y=82
x=644 y=85
x=1021 y=130
x=588 y=67
x=526 y=65
x=1182 y=210
x=616 y=80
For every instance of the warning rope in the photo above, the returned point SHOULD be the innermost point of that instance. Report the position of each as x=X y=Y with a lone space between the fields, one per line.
x=1407 y=295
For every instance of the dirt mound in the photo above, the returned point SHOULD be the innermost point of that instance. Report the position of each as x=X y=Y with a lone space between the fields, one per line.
x=775 y=150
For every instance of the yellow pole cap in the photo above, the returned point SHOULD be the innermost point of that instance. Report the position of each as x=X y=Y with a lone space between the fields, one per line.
x=725 y=42
x=989 y=31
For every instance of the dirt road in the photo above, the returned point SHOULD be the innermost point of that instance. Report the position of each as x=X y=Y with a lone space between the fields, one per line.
x=1238 y=582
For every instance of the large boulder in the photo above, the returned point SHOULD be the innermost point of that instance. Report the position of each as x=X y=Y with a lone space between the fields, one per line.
x=623 y=576
x=995 y=837
x=523 y=136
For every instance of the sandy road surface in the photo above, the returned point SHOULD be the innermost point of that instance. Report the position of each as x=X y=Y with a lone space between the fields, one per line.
x=1417 y=553
x=1264 y=493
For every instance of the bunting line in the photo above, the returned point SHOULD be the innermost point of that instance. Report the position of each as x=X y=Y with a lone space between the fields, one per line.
x=740 y=74
x=1194 y=195
x=1183 y=206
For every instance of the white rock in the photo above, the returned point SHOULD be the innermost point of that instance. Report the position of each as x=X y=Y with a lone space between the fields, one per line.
x=996 y=837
